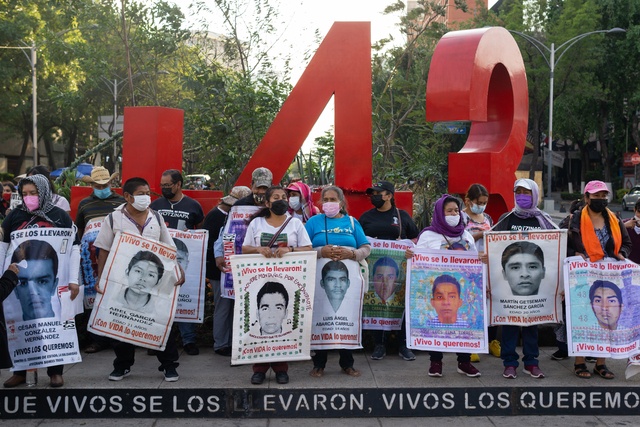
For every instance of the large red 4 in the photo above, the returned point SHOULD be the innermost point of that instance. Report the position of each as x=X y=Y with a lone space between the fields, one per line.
x=479 y=76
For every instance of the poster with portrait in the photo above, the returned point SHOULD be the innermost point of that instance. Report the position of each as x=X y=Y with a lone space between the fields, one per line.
x=445 y=302
x=383 y=307
x=525 y=276
x=191 y=252
x=232 y=238
x=603 y=304
x=39 y=313
x=274 y=300
x=337 y=311
x=139 y=294
x=89 y=261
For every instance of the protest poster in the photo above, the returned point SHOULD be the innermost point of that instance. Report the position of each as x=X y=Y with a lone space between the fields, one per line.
x=232 y=239
x=139 y=297
x=274 y=299
x=383 y=306
x=337 y=310
x=445 y=302
x=89 y=261
x=191 y=252
x=39 y=313
x=524 y=274
x=603 y=304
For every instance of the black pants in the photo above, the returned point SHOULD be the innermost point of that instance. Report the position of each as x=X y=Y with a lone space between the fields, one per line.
x=125 y=354
x=380 y=337
x=436 y=356
x=51 y=370
x=346 y=358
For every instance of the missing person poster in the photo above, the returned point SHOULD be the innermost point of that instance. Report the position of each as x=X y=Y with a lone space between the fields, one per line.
x=274 y=299
x=191 y=252
x=603 y=304
x=337 y=310
x=445 y=302
x=39 y=313
x=232 y=239
x=89 y=261
x=139 y=294
x=525 y=276
x=383 y=307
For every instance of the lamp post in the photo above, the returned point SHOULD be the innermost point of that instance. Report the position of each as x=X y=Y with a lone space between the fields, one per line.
x=552 y=61
x=33 y=60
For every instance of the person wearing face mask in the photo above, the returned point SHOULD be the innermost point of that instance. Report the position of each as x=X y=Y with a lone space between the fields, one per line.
x=596 y=233
x=447 y=232
x=180 y=212
x=272 y=232
x=135 y=217
x=5 y=203
x=336 y=235
x=386 y=221
x=57 y=199
x=261 y=179
x=478 y=221
x=300 y=203
x=37 y=211
x=525 y=216
x=91 y=212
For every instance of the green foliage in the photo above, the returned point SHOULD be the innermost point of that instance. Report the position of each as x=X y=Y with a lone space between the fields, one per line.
x=620 y=193
x=316 y=167
x=565 y=195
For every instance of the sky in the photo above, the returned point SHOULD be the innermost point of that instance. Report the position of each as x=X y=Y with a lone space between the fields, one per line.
x=303 y=18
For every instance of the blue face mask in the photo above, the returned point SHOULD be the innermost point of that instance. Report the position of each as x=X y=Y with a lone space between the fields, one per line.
x=102 y=194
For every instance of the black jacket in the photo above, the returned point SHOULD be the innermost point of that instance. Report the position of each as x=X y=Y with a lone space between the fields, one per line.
x=8 y=282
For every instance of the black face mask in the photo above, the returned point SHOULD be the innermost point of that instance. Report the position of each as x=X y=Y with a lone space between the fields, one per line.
x=598 y=205
x=279 y=207
x=166 y=193
x=377 y=201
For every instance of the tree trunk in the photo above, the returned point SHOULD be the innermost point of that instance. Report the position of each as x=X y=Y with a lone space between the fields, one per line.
x=604 y=147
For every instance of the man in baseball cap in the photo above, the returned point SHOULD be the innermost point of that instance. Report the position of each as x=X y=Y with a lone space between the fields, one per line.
x=382 y=186
x=261 y=179
x=236 y=194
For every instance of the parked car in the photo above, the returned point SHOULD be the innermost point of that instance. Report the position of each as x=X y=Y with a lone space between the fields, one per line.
x=629 y=200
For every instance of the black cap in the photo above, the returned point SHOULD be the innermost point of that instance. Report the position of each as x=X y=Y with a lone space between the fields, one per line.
x=382 y=186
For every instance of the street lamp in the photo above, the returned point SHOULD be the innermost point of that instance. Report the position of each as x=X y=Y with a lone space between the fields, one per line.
x=34 y=82
x=552 y=62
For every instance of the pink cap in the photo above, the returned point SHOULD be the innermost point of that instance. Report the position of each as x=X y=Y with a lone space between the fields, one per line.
x=595 y=186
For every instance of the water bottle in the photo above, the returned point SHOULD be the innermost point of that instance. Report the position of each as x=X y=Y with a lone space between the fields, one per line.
x=32 y=377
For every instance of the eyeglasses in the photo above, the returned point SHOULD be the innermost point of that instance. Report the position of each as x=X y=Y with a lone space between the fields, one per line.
x=167 y=185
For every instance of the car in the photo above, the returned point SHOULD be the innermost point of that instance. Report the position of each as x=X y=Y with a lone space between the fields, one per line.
x=629 y=200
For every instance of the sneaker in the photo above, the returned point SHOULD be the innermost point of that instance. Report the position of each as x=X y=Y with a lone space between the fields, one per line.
x=224 y=351
x=435 y=370
x=406 y=354
x=560 y=355
x=510 y=372
x=494 y=348
x=534 y=371
x=475 y=357
x=119 y=374
x=379 y=352
x=258 y=378
x=191 y=349
x=466 y=368
x=282 y=377
x=171 y=375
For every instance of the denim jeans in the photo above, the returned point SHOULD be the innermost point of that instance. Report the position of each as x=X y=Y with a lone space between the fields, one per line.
x=529 y=345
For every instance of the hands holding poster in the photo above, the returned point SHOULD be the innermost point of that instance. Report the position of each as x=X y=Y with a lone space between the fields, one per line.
x=139 y=297
x=232 y=238
x=191 y=253
x=274 y=299
x=525 y=276
x=337 y=310
x=445 y=302
x=383 y=306
x=39 y=313
x=603 y=305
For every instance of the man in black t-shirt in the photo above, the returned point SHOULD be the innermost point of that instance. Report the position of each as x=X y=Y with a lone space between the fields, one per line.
x=179 y=212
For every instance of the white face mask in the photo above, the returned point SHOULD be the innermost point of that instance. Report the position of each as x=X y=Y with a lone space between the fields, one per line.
x=452 y=220
x=294 y=203
x=141 y=203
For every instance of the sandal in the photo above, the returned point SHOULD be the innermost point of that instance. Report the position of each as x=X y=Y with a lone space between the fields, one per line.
x=581 y=371
x=317 y=372
x=604 y=372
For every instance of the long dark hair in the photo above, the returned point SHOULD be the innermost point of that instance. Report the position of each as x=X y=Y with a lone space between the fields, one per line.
x=266 y=212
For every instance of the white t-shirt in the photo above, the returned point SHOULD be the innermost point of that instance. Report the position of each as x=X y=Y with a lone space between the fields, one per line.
x=259 y=233
x=432 y=240
x=61 y=202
